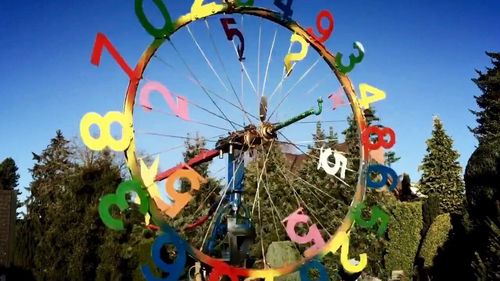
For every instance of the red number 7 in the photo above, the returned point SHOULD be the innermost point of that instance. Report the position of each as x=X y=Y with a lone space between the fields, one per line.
x=102 y=41
x=231 y=32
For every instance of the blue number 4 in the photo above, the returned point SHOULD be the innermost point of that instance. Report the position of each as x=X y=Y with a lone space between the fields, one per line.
x=286 y=8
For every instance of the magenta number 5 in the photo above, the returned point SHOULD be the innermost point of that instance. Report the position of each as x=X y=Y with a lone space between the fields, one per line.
x=180 y=108
x=231 y=32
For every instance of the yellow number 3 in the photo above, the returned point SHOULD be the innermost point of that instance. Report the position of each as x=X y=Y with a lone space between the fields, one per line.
x=105 y=138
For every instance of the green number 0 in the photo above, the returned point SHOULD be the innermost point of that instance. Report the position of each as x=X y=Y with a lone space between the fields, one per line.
x=167 y=28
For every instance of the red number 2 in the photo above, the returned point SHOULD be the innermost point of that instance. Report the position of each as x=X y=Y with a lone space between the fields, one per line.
x=102 y=41
x=325 y=32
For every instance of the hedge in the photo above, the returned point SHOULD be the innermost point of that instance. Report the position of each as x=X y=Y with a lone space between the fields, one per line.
x=435 y=238
x=404 y=236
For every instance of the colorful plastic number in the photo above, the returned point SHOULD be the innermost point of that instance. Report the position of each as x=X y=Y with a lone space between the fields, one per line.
x=353 y=60
x=313 y=235
x=239 y=3
x=165 y=30
x=119 y=199
x=337 y=98
x=377 y=214
x=381 y=133
x=231 y=32
x=180 y=108
x=180 y=200
x=101 y=41
x=340 y=162
x=385 y=172
x=341 y=240
x=105 y=138
x=325 y=32
x=376 y=95
x=200 y=10
x=296 y=56
x=174 y=269
x=313 y=264
x=286 y=8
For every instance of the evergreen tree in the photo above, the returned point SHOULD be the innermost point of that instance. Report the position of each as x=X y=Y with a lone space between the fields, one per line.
x=488 y=117
x=9 y=179
x=441 y=172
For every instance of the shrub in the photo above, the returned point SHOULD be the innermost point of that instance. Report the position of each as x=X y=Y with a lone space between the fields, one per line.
x=435 y=238
x=404 y=236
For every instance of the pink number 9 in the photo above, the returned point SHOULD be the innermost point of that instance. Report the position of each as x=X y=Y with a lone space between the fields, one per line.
x=180 y=108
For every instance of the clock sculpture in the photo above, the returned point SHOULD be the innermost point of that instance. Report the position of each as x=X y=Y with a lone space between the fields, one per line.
x=222 y=58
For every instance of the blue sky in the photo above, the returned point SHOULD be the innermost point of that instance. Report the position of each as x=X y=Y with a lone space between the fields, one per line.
x=421 y=53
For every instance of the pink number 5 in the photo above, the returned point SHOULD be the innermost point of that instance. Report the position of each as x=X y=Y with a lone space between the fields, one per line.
x=180 y=108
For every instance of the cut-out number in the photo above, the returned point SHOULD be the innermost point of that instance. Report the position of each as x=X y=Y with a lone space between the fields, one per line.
x=340 y=162
x=240 y=3
x=231 y=32
x=381 y=133
x=101 y=41
x=341 y=240
x=313 y=235
x=180 y=199
x=164 y=31
x=200 y=10
x=304 y=47
x=119 y=199
x=385 y=172
x=325 y=32
x=286 y=8
x=174 y=269
x=313 y=264
x=105 y=138
x=180 y=108
x=353 y=60
x=376 y=95
x=377 y=214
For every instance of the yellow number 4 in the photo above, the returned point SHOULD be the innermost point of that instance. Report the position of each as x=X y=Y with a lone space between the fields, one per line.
x=376 y=95
x=105 y=138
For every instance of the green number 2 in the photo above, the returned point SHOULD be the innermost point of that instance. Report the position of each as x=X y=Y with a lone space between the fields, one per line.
x=119 y=199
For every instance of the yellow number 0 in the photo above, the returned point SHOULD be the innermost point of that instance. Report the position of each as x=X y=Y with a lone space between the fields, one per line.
x=105 y=138
x=198 y=10
x=296 y=56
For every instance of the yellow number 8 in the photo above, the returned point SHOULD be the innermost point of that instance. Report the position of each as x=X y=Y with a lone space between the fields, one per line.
x=105 y=138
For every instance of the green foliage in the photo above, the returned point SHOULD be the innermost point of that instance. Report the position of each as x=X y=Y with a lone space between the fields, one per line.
x=9 y=178
x=430 y=210
x=435 y=238
x=441 y=171
x=488 y=117
x=404 y=236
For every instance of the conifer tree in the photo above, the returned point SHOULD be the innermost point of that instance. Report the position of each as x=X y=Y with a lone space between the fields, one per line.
x=9 y=178
x=488 y=117
x=441 y=172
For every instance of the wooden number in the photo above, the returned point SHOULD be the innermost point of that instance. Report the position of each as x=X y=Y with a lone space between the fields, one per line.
x=376 y=95
x=381 y=133
x=231 y=32
x=180 y=200
x=313 y=264
x=353 y=60
x=377 y=214
x=286 y=8
x=166 y=30
x=200 y=10
x=119 y=199
x=174 y=269
x=180 y=108
x=325 y=32
x=105 y=138
x=296 y=56
x=385 y=172
x=101 y=41
x=313 y=235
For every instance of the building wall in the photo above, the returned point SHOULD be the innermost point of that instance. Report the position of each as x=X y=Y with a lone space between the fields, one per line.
x=7 y=226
